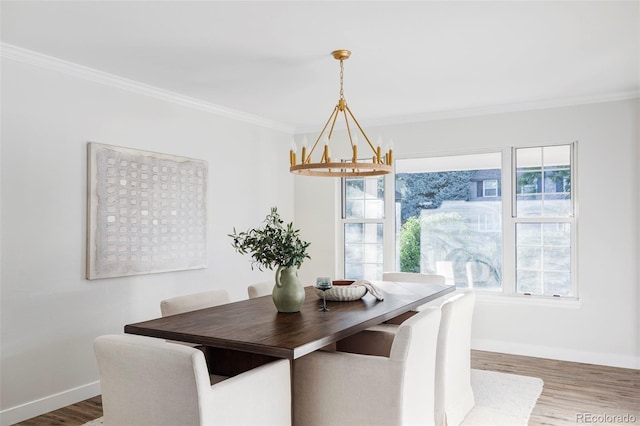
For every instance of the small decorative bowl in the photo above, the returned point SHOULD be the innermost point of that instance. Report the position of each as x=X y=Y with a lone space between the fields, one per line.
x=343 y=282
x=343 y=293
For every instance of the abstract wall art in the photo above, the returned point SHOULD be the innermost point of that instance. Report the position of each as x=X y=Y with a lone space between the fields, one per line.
x=146 y=212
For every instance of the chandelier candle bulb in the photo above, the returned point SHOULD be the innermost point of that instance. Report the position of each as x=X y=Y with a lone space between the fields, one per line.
x=292 y=152
x=304 y=150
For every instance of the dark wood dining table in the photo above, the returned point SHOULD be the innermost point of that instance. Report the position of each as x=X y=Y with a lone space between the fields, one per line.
x=253 y=329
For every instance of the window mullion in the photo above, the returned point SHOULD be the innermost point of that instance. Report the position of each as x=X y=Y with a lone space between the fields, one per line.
x=508 y=222
x=389 y=233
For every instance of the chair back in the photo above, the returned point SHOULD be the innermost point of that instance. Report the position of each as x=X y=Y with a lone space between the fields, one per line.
x=414 y=277
x=454 y=395
x=260 y=289
x=415 y=345
x=148 y=381
x=192 y=302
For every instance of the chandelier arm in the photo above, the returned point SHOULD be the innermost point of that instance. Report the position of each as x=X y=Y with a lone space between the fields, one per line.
x=321 y=133
x=361 y=131
x=336 y=110
x=346 y=121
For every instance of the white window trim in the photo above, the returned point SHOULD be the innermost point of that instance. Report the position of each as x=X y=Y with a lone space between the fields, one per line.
x=508 y=228
x=390 y=247
x=487 y=297
x=511 y=219
x=387 y=221
x=508 y=176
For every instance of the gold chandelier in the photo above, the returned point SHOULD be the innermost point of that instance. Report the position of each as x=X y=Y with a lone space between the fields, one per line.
x=378 y=163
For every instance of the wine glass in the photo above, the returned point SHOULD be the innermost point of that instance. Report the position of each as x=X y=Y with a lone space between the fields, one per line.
x=324 y=284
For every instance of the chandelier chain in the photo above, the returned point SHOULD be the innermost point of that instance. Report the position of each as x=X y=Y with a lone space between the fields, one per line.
x=341 y=79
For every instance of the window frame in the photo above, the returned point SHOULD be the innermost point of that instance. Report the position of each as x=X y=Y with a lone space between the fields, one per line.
x=485 y=189
x=571 y=219
x=507 y=188
x=386 y=221
x=504 y=152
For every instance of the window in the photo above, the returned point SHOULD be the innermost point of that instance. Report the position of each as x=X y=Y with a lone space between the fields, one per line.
x=544 y=220
x=451 y=219
x=450 y=216
x=363 y=227
x=490 y=188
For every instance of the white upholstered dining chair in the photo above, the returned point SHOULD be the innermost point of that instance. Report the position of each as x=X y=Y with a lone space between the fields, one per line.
x=192 y=302
x=260 y=289
x=414 y=277
x=147 y=381
x=454 y=395
x=392 y=388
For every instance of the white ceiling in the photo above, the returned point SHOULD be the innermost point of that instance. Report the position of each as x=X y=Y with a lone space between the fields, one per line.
x=410 y=59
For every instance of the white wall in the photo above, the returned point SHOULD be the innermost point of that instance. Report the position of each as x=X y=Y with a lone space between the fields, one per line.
x=50 y=314
x=604 y=328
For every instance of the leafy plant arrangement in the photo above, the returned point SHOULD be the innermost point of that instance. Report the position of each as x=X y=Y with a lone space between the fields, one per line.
x=273 y=245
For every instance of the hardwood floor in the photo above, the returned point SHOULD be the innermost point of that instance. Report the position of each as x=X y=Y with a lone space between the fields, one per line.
x=572 y=392
x=76 y=414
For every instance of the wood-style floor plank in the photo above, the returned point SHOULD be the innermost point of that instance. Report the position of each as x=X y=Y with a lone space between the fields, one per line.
x=570 y=390
x=76 y=414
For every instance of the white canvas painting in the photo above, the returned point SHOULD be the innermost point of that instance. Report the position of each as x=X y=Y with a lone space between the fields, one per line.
x=147 y=212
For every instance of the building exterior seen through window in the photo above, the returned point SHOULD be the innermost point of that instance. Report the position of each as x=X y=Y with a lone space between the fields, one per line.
x=453 y=218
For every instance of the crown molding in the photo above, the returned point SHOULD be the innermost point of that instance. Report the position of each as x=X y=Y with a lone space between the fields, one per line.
x=30 y=57
x=512 y=107
x=488 y=110
x=49 y=62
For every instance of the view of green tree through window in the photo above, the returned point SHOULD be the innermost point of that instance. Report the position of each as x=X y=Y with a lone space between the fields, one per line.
x=451 y=218
x=502 y=221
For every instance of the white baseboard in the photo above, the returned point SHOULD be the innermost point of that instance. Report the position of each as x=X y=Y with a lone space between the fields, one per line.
x=47 y=404
x=598 y=358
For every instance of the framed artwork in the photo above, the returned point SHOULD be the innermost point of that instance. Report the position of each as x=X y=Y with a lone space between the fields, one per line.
x=146 y=212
